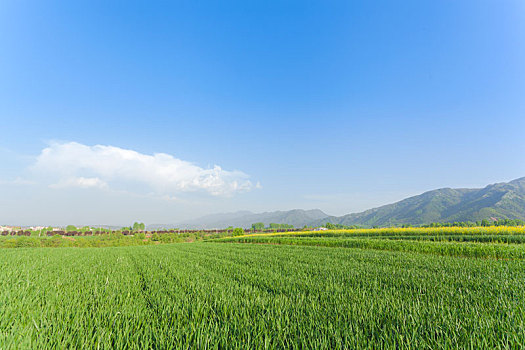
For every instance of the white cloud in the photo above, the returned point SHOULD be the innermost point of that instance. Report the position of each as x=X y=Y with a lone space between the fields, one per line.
x=76 y=165
x=82 y=182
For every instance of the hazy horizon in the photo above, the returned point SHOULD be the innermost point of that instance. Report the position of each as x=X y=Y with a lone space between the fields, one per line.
x=190 y=219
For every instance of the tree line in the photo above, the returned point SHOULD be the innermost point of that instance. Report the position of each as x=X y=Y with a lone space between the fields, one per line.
x=259 y=226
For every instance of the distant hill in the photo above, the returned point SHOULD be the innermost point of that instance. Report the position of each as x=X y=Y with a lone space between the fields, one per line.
x=502 y=200
x=245 y=219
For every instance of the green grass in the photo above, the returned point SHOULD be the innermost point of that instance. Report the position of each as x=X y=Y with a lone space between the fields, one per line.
x=512 y=239
x=104 y=240
x=208 y=295
x=458 y=249
x=107 y=240
x=411 y=231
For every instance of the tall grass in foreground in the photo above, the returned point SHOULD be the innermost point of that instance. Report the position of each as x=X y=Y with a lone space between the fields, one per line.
x=243 y=296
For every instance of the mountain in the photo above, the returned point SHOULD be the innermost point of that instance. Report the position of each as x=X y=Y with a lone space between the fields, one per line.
x=502 y=200
x=245 y=219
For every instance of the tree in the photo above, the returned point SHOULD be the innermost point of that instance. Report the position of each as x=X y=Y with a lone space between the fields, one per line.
x=138 y=226
x=70 y=228
x=275 y=226
x=238 y=231
x=330 y=226
x=258 y=226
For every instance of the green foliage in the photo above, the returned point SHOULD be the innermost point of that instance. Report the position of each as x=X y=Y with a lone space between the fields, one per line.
x=70 y=228
x=258 y=226
x=441 y=248
x=331 y=226
x=274 y=226
x=215 y=295
x=483 y=223
x=109 y=239
x=238 y=231
x=453 y=241
x=139 y=226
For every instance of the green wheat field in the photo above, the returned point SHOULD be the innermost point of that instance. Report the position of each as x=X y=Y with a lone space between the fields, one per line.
x=410 y=289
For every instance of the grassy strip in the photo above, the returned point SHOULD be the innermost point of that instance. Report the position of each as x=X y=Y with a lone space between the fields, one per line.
x=508 y=239
x=477 y=250
x=109 y=240
x=502 y=238
x=235 y=296
x=410 y=231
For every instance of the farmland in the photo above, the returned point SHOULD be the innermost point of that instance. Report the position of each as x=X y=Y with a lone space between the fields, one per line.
x=488 y=242
x=291 y=290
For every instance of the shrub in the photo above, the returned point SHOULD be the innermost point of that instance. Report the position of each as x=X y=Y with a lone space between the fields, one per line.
x=238 y=231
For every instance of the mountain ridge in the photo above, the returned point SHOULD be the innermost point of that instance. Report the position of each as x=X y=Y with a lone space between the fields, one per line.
x=504 y=200
x=245 y=219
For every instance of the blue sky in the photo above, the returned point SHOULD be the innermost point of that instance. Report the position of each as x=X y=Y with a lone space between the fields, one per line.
x=340 y=106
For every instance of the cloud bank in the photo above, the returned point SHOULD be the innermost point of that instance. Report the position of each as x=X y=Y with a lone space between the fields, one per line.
x=73 y=164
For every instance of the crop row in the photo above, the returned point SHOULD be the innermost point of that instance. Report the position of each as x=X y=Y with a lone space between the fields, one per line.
x=131 y=232
x=410 y=231
x=237 y=296
x=447 y=237
x=463 y=249
x=509 y=239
